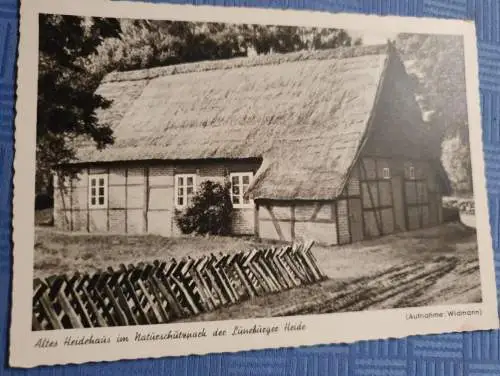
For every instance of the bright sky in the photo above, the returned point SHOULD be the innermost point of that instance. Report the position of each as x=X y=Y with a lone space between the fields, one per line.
x=370 y=37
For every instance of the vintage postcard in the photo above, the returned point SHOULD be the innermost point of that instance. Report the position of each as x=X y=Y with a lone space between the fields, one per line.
x=192 y=180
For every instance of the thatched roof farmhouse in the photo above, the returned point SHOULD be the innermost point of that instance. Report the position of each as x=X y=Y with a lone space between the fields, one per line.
x=328 y=145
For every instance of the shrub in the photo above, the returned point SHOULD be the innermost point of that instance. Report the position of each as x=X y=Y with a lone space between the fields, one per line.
x=209 y=211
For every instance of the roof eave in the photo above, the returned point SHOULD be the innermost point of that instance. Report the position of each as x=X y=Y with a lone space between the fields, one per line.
x=369 y=122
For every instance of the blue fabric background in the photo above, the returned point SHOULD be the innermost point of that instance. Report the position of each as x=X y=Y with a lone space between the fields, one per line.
x=471 y=354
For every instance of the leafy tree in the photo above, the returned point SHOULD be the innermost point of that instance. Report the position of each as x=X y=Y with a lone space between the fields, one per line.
x=145 y=44
x=66 y=91
x=209 y=211
x=438 y=66
x=456 y=161
x=438 y=63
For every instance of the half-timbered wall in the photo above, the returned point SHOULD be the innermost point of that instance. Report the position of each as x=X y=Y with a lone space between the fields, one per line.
x=141 y=198
x=297 y=220
x=349 y=211
x=395 y=195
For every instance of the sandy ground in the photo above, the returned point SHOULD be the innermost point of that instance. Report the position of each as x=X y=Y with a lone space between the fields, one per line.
x=436 y=266
x=425 y=267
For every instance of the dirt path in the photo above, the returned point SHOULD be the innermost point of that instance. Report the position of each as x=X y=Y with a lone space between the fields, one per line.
x=442 y=281
x=434 y=266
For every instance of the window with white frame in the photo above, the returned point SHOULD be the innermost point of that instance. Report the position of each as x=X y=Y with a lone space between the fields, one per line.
x=411 y=172
x=185 y=187
x=386 y=173
x=240 y=182
x=98 y=191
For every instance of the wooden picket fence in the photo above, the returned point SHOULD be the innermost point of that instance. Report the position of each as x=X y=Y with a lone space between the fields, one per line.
x=161 y=292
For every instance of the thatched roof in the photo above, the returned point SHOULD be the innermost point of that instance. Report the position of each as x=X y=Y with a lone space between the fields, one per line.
x=304 y=113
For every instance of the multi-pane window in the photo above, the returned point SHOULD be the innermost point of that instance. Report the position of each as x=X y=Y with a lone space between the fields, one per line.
x=185 y=186
x=386 y=173
x=239 y=185
x=411 y=172
x=98 y=191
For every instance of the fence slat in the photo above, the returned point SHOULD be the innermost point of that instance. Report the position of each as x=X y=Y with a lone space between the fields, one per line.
x=165 y=291
x=49 y=311
x=119 y=314
x=192 y=306
x=84 y=315
x=101 y=322
x=153 y=307
x=68 y=309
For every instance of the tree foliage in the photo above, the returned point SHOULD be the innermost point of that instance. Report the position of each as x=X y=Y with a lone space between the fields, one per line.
x=438 y=62
x=66 y=91
x=209 y=211
x=438 y=65
x=145 y=44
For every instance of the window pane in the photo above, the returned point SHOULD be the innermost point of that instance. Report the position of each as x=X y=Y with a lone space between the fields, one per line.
x=180 y=201
x=92 y=191
x=180 y=181
x=236 y=199
x=92 y=182
x=101 y=200
x=180 y=192
x=101 y=182
x=236 y=190
x=246 y=179
x=189 y=180
x=235 y=180
x=189 y=191
x=92 y=201
x=101 y=191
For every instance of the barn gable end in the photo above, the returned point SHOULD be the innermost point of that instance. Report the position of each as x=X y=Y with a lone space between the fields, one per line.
x=396 y=142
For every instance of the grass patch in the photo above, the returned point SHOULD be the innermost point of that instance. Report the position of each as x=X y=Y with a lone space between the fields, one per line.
x=62 y=252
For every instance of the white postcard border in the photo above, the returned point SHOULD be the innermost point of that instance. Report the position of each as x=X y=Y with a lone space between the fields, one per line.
x=320 y=329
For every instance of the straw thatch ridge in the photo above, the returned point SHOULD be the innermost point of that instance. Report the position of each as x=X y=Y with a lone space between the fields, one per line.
x=245 y=62
x=304 y=113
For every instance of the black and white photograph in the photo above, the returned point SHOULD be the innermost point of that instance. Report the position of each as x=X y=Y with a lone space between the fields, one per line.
x=191 y=171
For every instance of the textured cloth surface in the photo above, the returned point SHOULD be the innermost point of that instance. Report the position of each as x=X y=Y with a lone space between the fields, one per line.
x=475 y=353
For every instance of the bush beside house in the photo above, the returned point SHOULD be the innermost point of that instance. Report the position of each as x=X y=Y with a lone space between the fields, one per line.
x=209 y=211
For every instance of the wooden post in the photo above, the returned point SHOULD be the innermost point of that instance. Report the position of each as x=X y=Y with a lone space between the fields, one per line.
x=256 y=220
x=107 y=198
x=126 y=200
x=87 y=199
x=146 y=199
x=275 y=222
